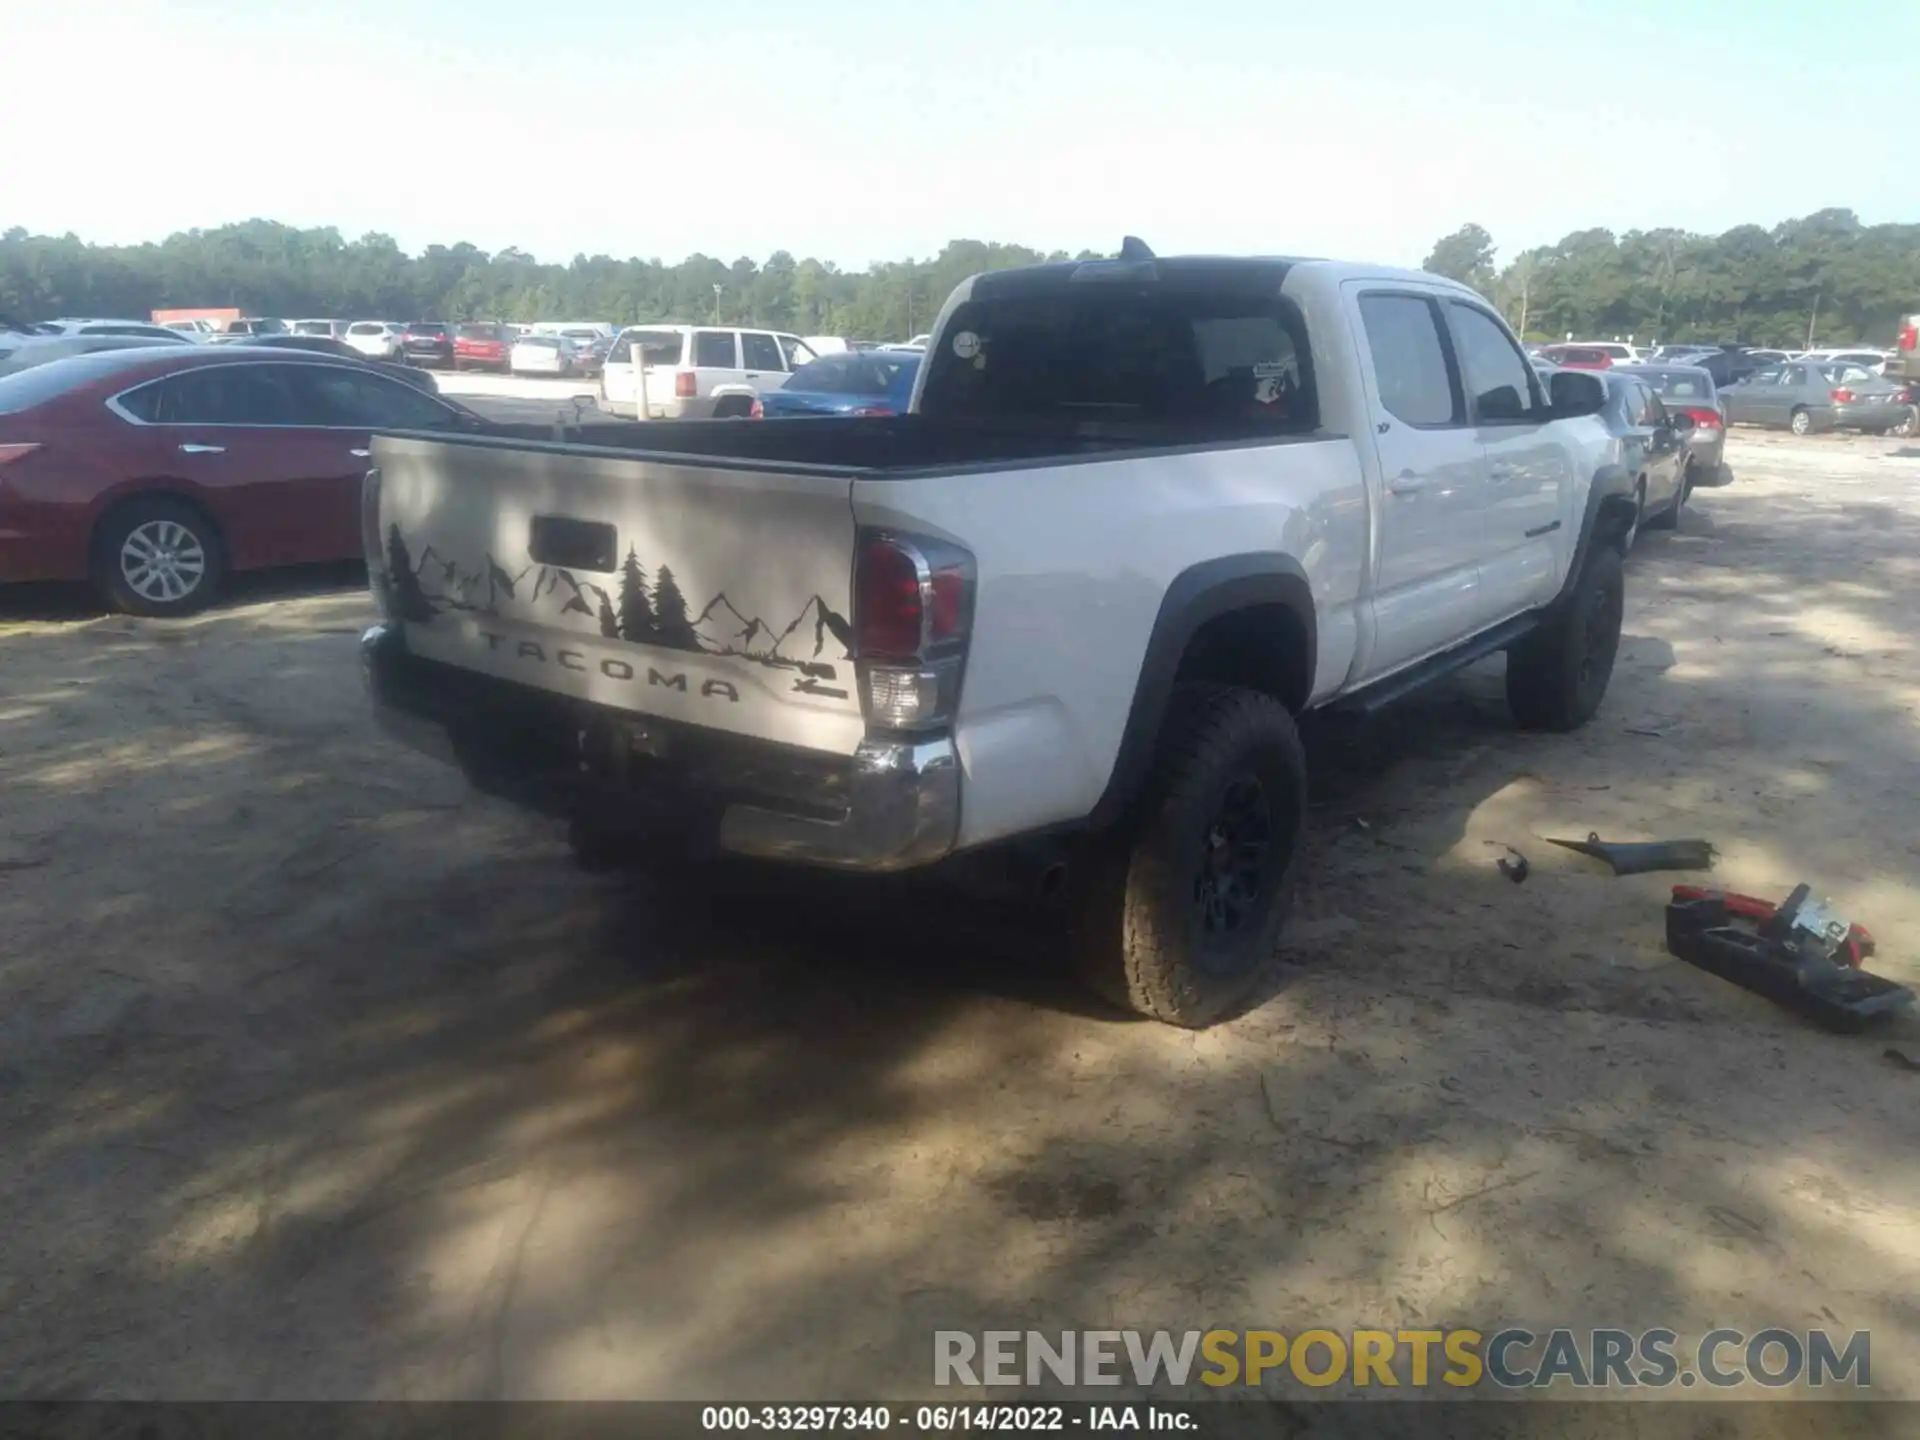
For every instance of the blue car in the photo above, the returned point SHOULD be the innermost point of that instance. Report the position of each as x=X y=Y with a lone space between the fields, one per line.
x=870 y=383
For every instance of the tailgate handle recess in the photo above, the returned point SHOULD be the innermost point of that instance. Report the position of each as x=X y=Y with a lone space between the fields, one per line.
x=574 y=544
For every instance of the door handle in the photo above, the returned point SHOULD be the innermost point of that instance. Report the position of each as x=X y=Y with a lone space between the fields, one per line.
x=203 y=449
x=360 y=454
x=1407 y=483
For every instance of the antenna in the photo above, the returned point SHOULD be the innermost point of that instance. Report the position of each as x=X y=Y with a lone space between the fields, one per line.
x=1134 y=248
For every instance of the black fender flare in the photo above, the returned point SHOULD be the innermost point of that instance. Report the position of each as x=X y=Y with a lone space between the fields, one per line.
x=1609 y=514
x=1198 y=594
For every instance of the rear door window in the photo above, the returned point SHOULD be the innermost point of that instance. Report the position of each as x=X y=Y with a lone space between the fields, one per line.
x=219 y=395
x=1410 y=365
x=760 y=351
x=715 y=350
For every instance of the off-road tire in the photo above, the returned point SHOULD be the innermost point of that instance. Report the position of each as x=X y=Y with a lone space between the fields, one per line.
x=1558 y=675
x=110 y=581
x=1135 y=896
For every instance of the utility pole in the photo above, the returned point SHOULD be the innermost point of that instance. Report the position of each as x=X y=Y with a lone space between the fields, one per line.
x=1811 y=319
x=717 y=288
x=1526 y=274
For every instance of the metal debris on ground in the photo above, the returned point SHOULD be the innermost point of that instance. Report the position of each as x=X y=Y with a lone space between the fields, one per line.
x=1797 y=954
x=1515 y=868
x=1641 y=858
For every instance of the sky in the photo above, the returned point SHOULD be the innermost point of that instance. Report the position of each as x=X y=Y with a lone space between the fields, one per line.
x=852 y=131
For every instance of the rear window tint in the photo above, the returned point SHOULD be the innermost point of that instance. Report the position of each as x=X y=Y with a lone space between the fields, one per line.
x=662 y=347
x=1683 y=384
x=482 y=332
x=1112 y=353
x=33 y=385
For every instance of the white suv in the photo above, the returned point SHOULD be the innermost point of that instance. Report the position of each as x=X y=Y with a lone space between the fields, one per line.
x=697 y=372
x=376 y=339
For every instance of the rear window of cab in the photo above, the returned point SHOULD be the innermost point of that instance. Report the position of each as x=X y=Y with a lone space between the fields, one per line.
x=1216 y=359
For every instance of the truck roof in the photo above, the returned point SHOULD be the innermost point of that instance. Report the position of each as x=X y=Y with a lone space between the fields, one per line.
x=1249 y=272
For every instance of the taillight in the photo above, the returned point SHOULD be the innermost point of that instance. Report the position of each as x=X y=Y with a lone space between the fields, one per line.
x=379 y=578
x=1909 y=337
x=912 y=615
x=1708 y=419
x=757 y=411
x=686 y=385
x=1841 y=397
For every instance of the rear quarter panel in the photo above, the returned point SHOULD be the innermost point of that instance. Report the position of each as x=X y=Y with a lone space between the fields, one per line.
x=1073 y=563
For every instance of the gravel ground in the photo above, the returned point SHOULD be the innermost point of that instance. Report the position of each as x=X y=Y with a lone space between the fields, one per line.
x=322 y=1077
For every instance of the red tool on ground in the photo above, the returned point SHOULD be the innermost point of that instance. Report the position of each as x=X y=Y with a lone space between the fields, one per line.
x=1853 y=950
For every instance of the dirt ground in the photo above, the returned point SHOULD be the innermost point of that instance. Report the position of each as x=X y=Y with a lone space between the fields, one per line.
x=322 y=1077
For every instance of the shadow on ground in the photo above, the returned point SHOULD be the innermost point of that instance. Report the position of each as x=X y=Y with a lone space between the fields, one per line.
x=324 y=1078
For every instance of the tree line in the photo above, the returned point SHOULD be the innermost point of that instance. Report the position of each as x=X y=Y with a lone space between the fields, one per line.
x=268 y=269
x=1846 y=281
x=1826 y=276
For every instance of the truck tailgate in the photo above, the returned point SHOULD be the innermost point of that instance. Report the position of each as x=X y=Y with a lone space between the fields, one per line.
x=713 y=596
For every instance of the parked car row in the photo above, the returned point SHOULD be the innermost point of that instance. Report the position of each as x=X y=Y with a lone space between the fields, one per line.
x=1729 y=364
x=1803 y=396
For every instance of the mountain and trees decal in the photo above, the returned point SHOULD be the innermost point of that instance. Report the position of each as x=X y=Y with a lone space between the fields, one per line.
x=640 y=609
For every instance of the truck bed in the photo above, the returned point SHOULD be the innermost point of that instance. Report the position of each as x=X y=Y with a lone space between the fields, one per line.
x=906 y=446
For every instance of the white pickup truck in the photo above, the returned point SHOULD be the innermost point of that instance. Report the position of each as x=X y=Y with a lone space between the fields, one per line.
x=1142 y=514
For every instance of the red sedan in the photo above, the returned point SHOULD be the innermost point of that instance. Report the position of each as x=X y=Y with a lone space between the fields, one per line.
x=483 y=345
x=152 y=473
x=1577 y=357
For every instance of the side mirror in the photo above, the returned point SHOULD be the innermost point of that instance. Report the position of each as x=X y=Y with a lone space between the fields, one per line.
x=1575 y=393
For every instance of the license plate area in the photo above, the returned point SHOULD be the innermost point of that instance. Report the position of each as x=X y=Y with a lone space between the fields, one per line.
x=619 y=752
x=573 y=544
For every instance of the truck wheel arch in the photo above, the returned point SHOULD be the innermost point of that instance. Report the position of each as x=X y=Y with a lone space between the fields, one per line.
x=1266 y=592
x=1609 y=514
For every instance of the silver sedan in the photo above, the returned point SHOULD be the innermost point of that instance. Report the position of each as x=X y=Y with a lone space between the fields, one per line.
x=1691 y=391
x=1806 y=396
